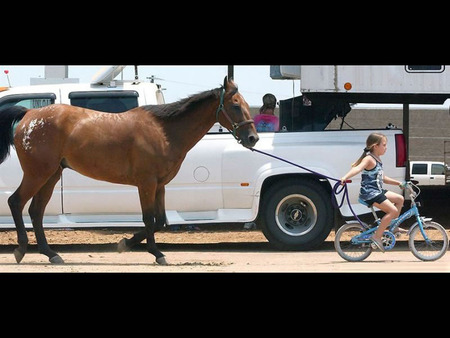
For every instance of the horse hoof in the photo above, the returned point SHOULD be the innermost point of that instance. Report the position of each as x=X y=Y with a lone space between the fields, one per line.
x=122 y=245
x=56 y=260
x=162 y=260
x=18 y=255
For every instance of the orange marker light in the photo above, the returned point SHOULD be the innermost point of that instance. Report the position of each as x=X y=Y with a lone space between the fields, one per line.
x=245 y=184
x=347 y=86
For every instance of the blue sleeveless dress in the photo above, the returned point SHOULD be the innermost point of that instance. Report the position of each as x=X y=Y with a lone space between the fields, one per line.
x=371 y=182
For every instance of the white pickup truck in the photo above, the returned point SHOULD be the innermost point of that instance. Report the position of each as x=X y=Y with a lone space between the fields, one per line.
x=429 y=172
x=219 y=182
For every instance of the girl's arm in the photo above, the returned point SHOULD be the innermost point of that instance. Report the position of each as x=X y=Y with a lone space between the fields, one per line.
x=367 y=161
x=389 y=180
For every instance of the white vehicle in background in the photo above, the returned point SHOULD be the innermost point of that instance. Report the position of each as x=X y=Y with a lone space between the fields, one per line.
x=429 y=172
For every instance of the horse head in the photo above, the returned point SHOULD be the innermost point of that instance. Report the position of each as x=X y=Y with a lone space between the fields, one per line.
x=236 y=115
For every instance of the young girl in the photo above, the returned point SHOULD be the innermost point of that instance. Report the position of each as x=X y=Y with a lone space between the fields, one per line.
x=372 y=179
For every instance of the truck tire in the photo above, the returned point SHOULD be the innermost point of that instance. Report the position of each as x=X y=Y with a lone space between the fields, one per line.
x=296 y=214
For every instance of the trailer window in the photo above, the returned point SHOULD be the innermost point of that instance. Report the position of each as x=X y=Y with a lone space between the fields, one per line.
x=425 y=69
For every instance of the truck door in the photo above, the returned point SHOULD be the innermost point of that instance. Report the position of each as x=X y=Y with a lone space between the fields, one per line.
x=196 y=191
x=89 y=200
x=419 y=172
x=437 y=176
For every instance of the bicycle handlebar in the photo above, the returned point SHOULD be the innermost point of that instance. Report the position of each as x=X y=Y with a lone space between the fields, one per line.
x=410 y=185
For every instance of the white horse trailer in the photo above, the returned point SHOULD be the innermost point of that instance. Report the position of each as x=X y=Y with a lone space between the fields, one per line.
x=339 y=85
x=371 y=84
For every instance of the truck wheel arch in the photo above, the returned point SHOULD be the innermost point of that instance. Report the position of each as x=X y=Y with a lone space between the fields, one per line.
x=295 y=211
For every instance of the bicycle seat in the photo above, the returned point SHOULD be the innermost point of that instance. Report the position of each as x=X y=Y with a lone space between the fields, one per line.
x=364 y=203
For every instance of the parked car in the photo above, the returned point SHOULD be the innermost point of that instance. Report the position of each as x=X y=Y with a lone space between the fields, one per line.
x=429 y=172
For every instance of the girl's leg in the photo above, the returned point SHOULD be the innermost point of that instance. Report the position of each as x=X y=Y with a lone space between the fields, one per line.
x=397 y=200
x=390 y=211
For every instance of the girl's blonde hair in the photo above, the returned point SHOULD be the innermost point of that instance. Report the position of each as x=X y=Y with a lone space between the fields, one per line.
x=372 y=140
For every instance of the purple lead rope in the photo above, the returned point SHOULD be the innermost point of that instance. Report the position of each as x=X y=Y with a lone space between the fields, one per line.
x=337 y=189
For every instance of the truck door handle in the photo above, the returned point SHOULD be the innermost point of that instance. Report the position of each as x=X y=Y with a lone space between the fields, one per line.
x=431 y=177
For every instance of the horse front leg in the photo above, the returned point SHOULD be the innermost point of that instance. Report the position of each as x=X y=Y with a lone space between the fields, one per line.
x=147 y=196
x=160 y=222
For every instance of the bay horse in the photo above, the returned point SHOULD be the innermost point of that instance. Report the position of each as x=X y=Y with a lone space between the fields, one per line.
x=142 y=147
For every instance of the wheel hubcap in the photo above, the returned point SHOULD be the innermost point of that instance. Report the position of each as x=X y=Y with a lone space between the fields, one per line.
x=296 y=215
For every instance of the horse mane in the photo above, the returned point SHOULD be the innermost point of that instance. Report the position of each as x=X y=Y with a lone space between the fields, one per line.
x=174 y=109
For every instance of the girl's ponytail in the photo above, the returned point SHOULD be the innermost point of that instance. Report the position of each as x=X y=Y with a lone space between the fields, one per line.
x=373 y=139
x=358 y=161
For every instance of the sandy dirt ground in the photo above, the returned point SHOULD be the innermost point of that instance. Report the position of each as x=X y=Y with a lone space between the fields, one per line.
x=94 y=251
x=110 y=236
x=212 y=249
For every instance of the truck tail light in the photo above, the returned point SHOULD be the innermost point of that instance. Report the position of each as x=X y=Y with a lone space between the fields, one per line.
x=400 y=150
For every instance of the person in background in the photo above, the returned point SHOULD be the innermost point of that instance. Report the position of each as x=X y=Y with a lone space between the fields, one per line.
x=266 y=119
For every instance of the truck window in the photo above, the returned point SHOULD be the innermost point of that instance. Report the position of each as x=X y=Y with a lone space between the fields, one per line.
x=437 y=169
x=29 y=101
x=106 y=101
x=419 y=169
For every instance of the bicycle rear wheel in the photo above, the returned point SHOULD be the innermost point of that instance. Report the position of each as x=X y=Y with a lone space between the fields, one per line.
x=430 y=250
x=352 y=252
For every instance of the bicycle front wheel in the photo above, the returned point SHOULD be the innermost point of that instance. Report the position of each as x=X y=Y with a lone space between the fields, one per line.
x=432 y=249
x=348 y=249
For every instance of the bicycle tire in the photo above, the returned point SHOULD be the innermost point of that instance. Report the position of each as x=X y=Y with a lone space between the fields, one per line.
x=348 y=251
x=428 y=251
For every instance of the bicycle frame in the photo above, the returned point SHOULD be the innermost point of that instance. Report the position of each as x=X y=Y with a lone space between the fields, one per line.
x=413 y=211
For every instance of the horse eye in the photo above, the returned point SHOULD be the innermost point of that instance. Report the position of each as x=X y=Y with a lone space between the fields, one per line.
x=237 y=108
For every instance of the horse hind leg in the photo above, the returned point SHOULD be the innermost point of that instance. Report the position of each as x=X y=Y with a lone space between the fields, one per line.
x=36 y=211
x=28 y=187
x=16 y=205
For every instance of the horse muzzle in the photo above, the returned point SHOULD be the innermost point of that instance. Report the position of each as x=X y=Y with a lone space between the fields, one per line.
x=248 y=138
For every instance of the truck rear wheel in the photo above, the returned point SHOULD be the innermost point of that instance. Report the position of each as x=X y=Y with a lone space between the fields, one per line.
x=296 y=214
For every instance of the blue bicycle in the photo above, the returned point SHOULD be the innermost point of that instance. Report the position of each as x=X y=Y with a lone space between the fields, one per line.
x=428 y=241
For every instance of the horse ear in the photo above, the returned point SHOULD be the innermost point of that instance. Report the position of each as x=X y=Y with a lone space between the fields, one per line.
x=229 y=84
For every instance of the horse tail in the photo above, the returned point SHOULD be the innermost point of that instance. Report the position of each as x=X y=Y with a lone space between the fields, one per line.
x=8 y=118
